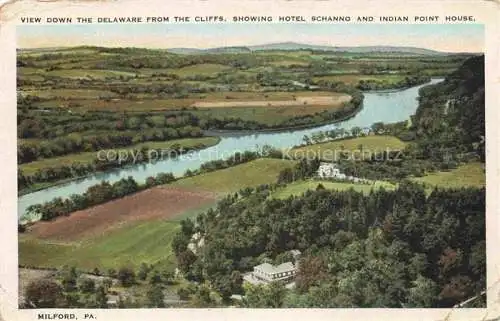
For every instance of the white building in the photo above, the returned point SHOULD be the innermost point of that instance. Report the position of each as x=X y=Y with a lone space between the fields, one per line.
x=269 y=273
x=328 y=170
x=265 y=273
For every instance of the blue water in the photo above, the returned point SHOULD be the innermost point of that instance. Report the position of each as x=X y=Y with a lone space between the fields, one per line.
x=387 y=107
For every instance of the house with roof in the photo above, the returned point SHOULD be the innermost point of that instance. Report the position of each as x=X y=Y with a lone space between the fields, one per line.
x=328 y=170
x=269 y=273
x=266 y=272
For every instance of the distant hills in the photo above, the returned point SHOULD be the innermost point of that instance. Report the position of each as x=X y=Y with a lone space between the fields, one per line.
x=402 y=50
x=301 y=46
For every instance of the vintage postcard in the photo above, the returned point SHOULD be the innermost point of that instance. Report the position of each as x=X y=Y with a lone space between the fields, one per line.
x=235 y=160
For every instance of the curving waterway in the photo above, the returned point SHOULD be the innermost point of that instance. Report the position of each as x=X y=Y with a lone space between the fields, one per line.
x=387 y=107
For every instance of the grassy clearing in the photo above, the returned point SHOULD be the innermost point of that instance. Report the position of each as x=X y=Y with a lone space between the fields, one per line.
x=365 y=145
x=88 y=157
x=298 y=188
x=468 y=175
x=130 y=245
x=193 y=212
x=290 y=62
x=89 y=74
x=251 y=174
x=71 y=93
x=200 y=69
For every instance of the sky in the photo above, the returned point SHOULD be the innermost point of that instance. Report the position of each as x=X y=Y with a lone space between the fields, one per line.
x=441 y=37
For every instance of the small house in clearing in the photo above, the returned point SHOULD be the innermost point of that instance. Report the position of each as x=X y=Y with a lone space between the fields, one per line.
x=328 y=170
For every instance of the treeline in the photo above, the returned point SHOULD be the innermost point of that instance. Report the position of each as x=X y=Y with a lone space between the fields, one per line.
x=74 y=143
x=408 y=81
x=134 y=58
x=52 y=123
x=108 y=161
x=386 y=249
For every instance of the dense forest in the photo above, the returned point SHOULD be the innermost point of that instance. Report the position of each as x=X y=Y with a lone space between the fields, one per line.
x=403 y=248
x=450 y=119
x=393 y=249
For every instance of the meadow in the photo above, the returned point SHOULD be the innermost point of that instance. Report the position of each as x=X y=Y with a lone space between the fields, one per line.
x=368 y=145
x=131 y=245
x=466 y=175
x=232 y=179
x=299 y=187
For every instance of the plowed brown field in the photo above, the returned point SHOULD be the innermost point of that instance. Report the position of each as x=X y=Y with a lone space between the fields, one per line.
x=152 y=204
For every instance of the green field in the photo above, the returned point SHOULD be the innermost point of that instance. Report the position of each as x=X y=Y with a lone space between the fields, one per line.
x=200 y=69
x=368 y=145
x=70 y=93
x=130 y=245
x=89 y=74
x=251 y=174
x=88 y=157
x=468 y=175
x=298 y=188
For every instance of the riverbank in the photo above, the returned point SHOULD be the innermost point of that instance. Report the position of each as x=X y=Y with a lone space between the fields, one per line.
x=188 y=145
x=235 y=133
x=355 y=111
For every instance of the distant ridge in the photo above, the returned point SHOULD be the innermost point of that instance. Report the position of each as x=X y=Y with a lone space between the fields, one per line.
x=299 y=46
x=268 y=47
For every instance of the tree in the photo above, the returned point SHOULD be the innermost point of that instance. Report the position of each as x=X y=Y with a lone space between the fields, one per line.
x=168 y=276
x=69 y=279
x=155 y=296
x=143 y=272
x=43 y=293
x=265 y=296
x=112 y=273
x=185 y=260
x=101 y=298
x=126 y=276
x=155 y=278
x=456 y=290
x=202 y=297
x=87 y=285
x=312 y=269
x=423 y=294
x=107 y=283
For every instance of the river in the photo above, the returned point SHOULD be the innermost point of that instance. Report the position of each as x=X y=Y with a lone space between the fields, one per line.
x=387 y=107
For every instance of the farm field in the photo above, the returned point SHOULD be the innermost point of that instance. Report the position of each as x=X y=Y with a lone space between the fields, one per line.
x=324 y=99
x=367 y=145
x=251 y=174
x=152 y=204
x=468 y=175
x=298 y=188
x=129 y=245
x=88 y=157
